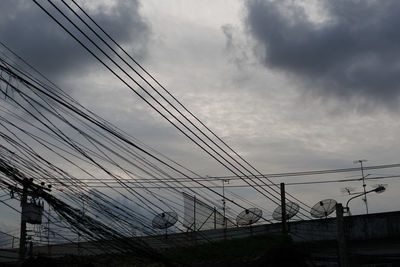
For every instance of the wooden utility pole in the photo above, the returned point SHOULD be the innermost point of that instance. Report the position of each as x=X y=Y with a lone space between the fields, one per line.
x=283 y=207
x=342 y=257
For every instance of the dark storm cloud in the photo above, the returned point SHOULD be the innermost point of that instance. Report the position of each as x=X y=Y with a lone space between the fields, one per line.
x=355 y=52
x=31 y=33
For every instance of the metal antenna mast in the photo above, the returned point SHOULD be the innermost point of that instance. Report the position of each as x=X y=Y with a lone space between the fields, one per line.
x=223 y=199
x=363 y=180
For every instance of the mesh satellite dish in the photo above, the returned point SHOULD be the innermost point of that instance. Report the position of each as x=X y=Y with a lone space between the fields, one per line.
x=291 y=209
x=323 y=208
x=249 y=216
x=165 y=220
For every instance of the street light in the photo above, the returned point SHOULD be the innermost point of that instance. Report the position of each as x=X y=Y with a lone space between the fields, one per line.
x=377 y=190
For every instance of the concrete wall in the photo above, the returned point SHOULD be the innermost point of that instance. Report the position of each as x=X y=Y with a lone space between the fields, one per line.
x=362 y=227
x=373 y=226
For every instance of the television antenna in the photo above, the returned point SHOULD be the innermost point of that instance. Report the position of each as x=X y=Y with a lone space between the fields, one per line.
x=363 y=180
x=249 y=216
x=323 y=208
x=291 y=209
x=348 y=190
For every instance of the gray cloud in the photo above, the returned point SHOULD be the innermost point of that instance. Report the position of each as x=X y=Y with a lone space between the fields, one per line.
x=31 y=33
x=352 y=53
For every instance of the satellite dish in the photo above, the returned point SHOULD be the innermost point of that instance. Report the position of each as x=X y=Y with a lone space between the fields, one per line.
x=291 y=209
x=249 y=216
x=323 y=208
x=165 y=220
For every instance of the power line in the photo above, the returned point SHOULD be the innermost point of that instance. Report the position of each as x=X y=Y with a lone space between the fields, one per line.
x=33 y=167
x=274 y=175
x=163 y=107
x=247 y=186
x=145 y=100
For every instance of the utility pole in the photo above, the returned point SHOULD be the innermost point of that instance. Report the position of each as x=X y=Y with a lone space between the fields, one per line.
x=223 y=200
x=340 y=236
x=28 y=189
x=283 y=207
x=215 y=218
x=194 y=213
x=363 y=180
x=48 y=233
x=22 y=235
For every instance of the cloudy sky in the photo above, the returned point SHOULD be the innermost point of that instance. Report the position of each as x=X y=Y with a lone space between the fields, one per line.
x=291 y=85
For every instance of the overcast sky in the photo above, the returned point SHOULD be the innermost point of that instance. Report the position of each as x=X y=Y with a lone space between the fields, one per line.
x=291 y=85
